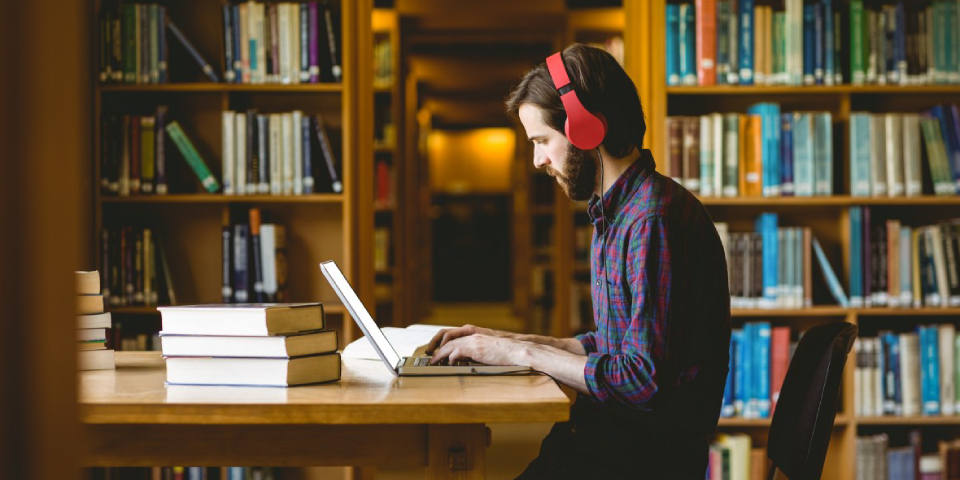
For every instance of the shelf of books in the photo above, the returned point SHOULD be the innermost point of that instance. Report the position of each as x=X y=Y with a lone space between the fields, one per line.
x=226 y=152
x=387 y=154
x=824 y=139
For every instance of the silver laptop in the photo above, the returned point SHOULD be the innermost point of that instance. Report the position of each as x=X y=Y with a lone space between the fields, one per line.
x=419 y=365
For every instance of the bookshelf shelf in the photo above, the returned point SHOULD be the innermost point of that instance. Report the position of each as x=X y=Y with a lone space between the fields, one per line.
x=383 y=88
x=831 y=201
x=907 y=312
x=817 y=311
x=761 y=90
x=333 y=198
x=909 y=421
x=384 y=149
x=210 y=87
x=840 y=421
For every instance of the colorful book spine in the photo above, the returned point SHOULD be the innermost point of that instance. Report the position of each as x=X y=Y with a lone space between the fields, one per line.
x=855 y=256
x=803 y=153
x=746 y=56
x=762 y=357
x=673 y=44
x=819 y=62
x=809 y=48
x=706 y=35
x=828 y=41
x=241 y=276
x=706 y=156
x=204 y=65
x=192 y=157
x=857 y=46
x=860 y=154
x=787 y=187
x=687 y=50
x=314 y=43
x=823 y=154
x=767 y=227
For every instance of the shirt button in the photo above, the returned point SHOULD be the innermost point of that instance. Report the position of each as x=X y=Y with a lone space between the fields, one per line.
x=598 y=283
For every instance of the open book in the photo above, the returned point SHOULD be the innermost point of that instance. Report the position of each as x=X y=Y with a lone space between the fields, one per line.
x=410 y=341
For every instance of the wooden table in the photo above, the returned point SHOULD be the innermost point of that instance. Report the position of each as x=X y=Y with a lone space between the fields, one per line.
x=367 y=418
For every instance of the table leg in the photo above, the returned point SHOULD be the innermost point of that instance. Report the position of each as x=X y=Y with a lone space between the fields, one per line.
x=456 y=452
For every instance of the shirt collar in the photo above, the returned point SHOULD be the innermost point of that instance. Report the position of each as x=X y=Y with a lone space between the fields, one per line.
x=622 y=189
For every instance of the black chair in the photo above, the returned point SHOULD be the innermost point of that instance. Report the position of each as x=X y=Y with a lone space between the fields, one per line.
x=803 y=420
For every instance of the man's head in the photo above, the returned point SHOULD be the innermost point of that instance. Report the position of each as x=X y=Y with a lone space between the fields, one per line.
x=603 y=88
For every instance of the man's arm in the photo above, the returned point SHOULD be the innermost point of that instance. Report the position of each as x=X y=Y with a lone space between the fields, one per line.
x=564 y=366
x=571 y=345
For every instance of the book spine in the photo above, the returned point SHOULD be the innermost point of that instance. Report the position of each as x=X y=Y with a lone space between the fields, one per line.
x=832 y=282
x=894 y=154
x=263 y=149
x=256 y=259
x=332 y=33
x=147 y=151
x=228 y=122
x=706 y=34
x=260 y=29
x=787 y=187
x=803 y=152
x=809 y=47
x=334 y=173
x=276 y=155
x=706 y=156
x=252 y=171
x=906 y=266
x=105 y=265
x=229 y=75
x=857 y=70
x=135 y=154
x=675 y=142
x=314 y=43
x=236 y=43
x=204 y=65
x=900 y=40
x=946 y=338
x=161 y=153
x=855 y=256
x=153 y=15
x=823 y=153
x=241 y=286
x=733 y=49
x=294 y=39
x=304 y=29
x=192 y=157
x=226 y=249
x=106 y=160
x=305 y=131
x=286 y=133
x=686 y=50
x=273 y=55
x=860 y=154
x=246 y=56
x=878 y=168
x=767 y=227
x=673 y=43
x=731 y=154
x=819 y=62
x=296 y=131
x=763 y=369
x=143 y=45
x=240 y=154
x=746 y=42
x=691 y=154
x=828 y=42
x=268 y=260
x=739 y=378
x=728 y=409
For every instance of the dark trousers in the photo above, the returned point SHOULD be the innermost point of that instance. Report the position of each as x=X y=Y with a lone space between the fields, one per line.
x=598 y=443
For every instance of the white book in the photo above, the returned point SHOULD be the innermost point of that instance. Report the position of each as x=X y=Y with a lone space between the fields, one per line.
x=276 y=155
x=241 y=319
x=878 y=148
x=240 y=154
x=275 y=372
x=296 y=122
x=940 y=264
x=96 y=320
x=95 y=360
x=277 y=346
x=893 y=135
x=717 y=120
x=229 y=142
x=706 y=156
x=294 y=34
x=91 y=334
x=912 y=177
x=268 y=259
x=794 y=41
x=947 y=337
x=910 y=373
x=283 y=25
x=244 y=35
x=286 y=138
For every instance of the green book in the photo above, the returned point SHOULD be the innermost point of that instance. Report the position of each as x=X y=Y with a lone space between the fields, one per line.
x=147 y=149
x=857 y=53
x=192 y=157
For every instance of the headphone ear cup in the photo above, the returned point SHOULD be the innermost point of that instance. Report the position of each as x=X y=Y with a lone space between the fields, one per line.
x=585 y=130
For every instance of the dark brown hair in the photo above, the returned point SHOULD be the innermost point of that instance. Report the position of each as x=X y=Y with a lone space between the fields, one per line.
x=602 y=86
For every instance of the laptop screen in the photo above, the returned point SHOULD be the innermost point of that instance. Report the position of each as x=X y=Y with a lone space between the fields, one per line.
x=360 y=313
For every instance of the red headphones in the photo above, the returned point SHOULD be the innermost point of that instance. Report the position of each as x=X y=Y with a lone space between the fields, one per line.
x=585 y=130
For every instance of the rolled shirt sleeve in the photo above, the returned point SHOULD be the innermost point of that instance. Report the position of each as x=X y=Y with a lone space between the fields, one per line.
x=635 y=372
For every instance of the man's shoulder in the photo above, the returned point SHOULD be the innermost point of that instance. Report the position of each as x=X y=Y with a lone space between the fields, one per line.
x=661 y=196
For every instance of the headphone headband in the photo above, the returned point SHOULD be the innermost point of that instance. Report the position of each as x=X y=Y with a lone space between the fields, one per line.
x=585 y=130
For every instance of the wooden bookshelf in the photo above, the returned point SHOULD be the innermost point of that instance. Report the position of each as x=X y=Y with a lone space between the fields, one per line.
x=812 y=90
x=318 y=226
x=910 y=421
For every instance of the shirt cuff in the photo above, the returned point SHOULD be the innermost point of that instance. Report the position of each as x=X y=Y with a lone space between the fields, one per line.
x=592 y=372
x=588 y=341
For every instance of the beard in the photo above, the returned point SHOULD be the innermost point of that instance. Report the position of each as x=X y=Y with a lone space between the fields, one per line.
x=579 y=178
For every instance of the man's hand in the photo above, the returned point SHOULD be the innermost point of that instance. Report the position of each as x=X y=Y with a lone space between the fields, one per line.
x=487 y=349
x=448 y=334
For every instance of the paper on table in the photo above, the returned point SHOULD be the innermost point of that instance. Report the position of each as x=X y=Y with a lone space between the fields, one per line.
x=404 y=340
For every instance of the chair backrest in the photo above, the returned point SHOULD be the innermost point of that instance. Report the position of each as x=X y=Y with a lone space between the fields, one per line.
x=803 y=420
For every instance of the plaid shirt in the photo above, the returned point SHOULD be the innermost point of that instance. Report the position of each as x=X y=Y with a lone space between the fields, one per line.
x=665 y=312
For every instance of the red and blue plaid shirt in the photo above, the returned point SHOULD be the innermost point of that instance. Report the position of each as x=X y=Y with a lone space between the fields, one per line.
x=663 y=314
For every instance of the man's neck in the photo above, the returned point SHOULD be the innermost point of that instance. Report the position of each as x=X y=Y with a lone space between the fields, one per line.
x=613 y=167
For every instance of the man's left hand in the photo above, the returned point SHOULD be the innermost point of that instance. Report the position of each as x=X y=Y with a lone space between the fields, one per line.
x=490 y=350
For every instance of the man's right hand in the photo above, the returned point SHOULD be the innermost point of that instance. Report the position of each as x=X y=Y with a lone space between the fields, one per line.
x=448 y=334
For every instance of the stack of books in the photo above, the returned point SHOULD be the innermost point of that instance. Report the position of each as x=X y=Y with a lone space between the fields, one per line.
x=279 y=344
x=92 y=324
